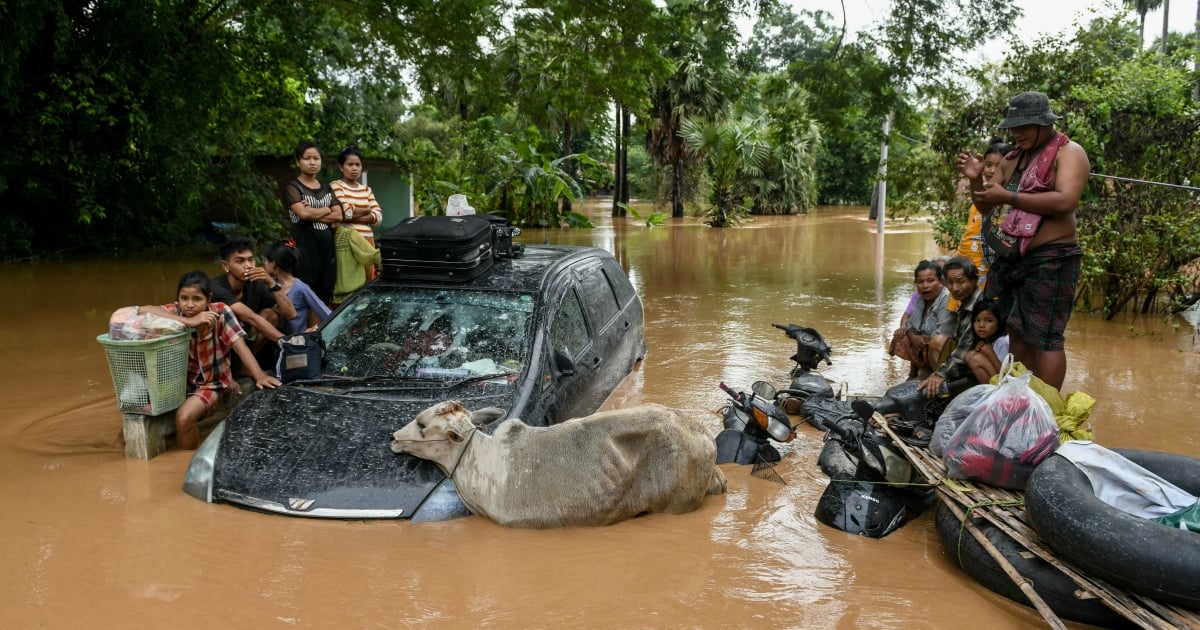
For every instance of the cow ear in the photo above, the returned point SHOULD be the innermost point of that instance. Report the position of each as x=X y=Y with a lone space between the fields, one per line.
x=487 y=415
x=458 y=428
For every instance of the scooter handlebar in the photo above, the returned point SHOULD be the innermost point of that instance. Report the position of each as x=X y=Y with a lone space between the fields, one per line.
x=843 y=432
x=789 y=330
x=728 y=390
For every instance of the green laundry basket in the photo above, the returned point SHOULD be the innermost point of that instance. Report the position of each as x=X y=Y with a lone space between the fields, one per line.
x=150 y=375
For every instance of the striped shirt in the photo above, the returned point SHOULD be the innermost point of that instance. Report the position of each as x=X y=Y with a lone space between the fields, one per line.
x=359 y=196
x=322 y=197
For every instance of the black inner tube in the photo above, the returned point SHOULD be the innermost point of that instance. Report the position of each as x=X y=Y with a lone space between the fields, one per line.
x=1133 y=553
x=1054 y=587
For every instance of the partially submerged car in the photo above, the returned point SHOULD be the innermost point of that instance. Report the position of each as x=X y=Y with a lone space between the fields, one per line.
x=546 y=336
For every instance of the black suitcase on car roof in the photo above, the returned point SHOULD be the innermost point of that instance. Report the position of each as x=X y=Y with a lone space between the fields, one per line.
x=440 y=248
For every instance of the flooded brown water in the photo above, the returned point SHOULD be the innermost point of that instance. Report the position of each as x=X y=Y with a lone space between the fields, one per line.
x=91 y=539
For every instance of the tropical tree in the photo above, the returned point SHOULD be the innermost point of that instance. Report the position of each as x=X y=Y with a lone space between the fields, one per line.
x=533 y=182
x=702 y=85
x=1142 y=7
x=786 y=182
x=733 y=152
x=818 y=60
x=924 y=43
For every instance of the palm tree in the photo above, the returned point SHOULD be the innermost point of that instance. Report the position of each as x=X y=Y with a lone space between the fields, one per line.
x=734 y=152
x=780 y=108
x=691 y=92
x=701 y=86
x=1143 y=7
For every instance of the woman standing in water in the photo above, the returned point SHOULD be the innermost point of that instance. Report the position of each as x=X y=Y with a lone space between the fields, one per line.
x=313 y=210
x=361 y=210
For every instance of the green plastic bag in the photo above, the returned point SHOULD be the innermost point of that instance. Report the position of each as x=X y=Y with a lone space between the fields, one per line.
x=1187 y=518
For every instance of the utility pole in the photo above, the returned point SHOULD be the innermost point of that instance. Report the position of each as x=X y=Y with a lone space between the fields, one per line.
x=1196 y=63
x=879 y=202
x=1166 y=12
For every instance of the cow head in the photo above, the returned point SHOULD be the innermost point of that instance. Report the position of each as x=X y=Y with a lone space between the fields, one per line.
x=439 y=431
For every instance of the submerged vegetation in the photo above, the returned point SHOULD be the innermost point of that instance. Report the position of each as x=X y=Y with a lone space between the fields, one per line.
x=136 y=124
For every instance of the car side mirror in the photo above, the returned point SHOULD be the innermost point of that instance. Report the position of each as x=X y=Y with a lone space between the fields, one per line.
x=563 y=362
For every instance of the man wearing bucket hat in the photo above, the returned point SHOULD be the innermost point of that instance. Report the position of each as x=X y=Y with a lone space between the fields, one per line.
x=1037 y=252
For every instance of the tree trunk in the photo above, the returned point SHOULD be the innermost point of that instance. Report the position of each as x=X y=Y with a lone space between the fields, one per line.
x=567 y=164
x=677 y=188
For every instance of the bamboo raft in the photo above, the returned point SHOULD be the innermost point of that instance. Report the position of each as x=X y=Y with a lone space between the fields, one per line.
x=1005 y=510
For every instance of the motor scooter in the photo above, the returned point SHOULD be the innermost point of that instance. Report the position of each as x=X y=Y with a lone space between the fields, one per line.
x=751 y=421
x=868 y=492
x=866 y=501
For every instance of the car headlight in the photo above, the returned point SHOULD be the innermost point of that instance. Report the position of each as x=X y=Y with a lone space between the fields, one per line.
x=198 y=481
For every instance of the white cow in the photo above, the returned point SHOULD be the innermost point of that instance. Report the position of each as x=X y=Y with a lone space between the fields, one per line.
x=595 y=470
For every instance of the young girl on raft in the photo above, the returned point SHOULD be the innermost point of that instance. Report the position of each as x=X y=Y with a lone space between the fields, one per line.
x=209 y=374
x=988 y=327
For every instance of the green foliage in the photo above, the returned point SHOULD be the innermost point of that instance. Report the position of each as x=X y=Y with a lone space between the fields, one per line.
x=785 y=181
x=643 y=178
x=1132 y=112
x=532 y=184
x=651 y=220
x=819 y=61
x=132 y=124
x=734 y=152
x=701 y=44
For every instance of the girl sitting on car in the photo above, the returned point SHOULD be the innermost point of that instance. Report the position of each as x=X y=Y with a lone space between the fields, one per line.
x=209 y=375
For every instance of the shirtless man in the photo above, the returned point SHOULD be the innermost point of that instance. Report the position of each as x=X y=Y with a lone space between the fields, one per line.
x=1036 y=288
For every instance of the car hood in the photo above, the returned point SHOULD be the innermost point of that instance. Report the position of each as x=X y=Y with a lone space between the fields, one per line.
x=325 y=453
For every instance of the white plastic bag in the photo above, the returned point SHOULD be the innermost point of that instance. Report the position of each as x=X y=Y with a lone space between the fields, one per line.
x=457 y=206
x=136 y=393
x=1011 y=431
x=128 y=323
x=955 y=414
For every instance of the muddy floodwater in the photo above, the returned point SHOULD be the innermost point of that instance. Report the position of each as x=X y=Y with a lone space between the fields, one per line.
x=90 y=539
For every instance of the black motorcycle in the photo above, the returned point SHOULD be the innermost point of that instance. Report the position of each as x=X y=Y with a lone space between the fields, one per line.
x=875 y=499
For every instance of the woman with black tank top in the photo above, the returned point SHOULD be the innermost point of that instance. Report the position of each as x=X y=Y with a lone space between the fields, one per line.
x=314 y=211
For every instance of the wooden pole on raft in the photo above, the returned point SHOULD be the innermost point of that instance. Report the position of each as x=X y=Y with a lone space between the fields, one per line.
x=1022 y=583
x=1019 y=580
x=1150 y=615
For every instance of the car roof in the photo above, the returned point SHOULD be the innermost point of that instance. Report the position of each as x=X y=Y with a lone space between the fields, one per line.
x=525 y=274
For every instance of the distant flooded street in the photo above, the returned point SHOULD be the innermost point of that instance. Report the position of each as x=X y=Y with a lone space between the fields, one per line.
x=89 y=538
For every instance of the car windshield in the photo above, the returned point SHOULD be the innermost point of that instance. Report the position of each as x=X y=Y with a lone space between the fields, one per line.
x=429 y=333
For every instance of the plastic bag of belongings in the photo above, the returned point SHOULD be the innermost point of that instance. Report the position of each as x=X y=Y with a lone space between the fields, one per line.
x=1010 y=463
x=127 y=323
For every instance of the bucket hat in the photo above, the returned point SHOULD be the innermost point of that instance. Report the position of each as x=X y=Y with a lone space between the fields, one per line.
x=1029 y=108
